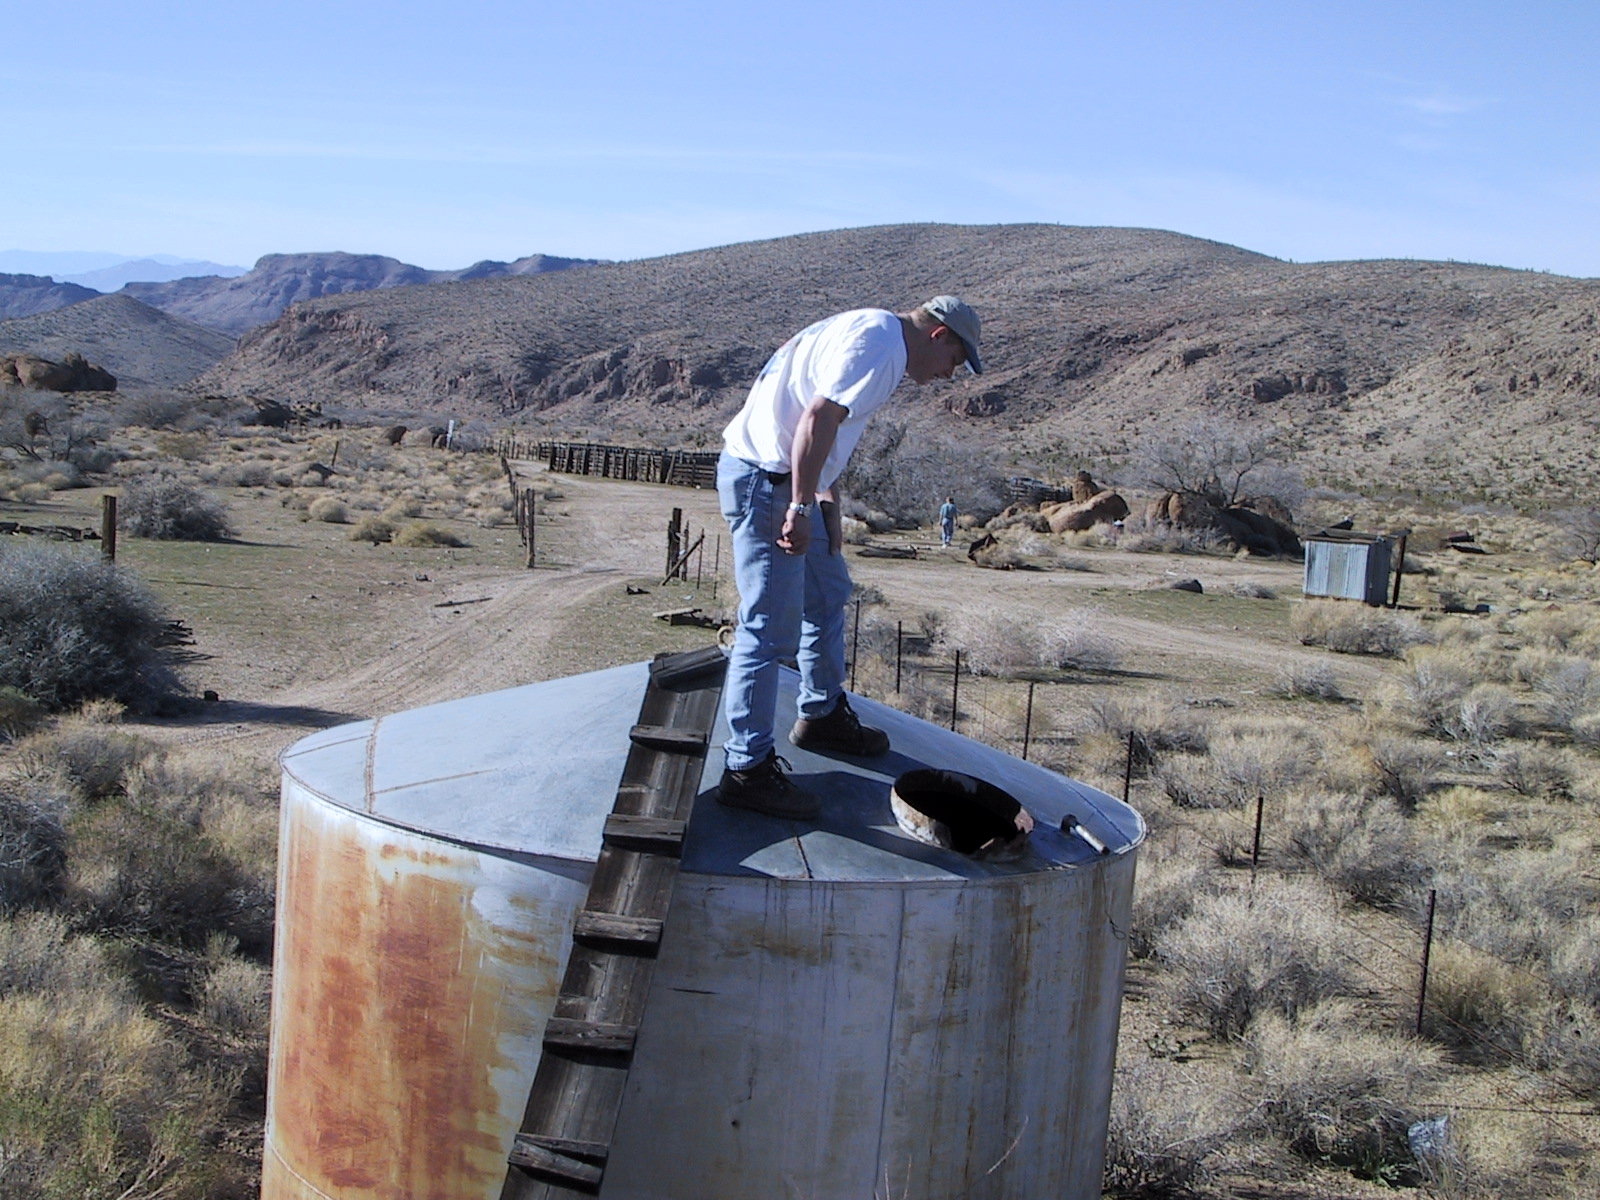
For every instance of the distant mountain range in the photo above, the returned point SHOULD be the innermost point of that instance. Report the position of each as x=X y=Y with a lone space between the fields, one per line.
x=232 y=300
x=279 y=280
x=148 y=270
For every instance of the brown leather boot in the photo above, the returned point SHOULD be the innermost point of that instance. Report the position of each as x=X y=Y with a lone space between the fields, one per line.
x=841 y=732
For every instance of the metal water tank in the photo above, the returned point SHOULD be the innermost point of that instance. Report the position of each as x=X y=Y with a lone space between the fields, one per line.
x=839 y=1009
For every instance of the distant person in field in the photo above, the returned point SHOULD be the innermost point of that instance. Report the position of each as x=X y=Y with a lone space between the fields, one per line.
x=781 y=457
x=947 y=520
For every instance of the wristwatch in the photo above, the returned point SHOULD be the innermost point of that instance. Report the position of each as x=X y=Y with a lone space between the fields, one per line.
x=803 y=509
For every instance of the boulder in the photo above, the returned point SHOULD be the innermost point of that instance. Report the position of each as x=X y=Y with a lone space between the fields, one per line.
x=1086 y=514
x=73 y=374
x=1083 y=487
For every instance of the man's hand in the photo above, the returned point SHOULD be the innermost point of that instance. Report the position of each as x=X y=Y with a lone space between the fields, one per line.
x=796 y=535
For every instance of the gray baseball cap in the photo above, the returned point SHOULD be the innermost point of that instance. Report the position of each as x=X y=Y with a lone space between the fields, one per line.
x=961 y=319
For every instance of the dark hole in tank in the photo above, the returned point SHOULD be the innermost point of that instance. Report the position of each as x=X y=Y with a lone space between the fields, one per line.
x=961 y=811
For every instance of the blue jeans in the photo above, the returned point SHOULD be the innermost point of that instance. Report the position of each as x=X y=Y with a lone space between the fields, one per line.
x=790 y=605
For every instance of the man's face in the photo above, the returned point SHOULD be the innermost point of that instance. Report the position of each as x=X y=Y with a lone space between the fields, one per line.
x=941 y=352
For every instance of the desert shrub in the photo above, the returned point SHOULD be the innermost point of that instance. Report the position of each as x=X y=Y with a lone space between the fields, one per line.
x=1251 y=589
x=92 y=757
x=1403 y=768
x=1477 y=1005
x=1335 y=1091
x=403 y=508
x=425 y=533
x=19 y=712
x=33 y=847
x=167 y=509
x=99 y=1100
x=234 y=994
x=1487 y=713
x=999 y=556
x=1568 y=688
x=1142 y=536
x=329 y=509
x=1564 y=1037
x=1360 y=845
x=1168 y=890
x=1159 y=723
x=1192 y=781
x=1349 y=628
x=1280 y=949
x=74 y=628
x=1168 y=1131
x=1077 y=640
x=1306 y=681
x=1515 y=903
x=1534 y=769
x=149 y=864
x=373 y=529
x=39 y=953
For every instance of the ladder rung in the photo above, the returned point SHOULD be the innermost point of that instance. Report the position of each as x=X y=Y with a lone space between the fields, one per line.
x=666 y=737
x=648 y=835
x=537 y=1156
x=613 y=928
x=565 y=1033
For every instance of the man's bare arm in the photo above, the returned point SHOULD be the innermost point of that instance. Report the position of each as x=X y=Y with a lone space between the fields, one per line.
x=813 y=441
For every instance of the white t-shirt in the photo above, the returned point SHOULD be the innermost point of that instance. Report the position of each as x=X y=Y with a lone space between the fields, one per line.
x=856 y=359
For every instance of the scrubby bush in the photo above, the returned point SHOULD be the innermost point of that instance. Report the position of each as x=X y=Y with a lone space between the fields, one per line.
x=33 y=848
x=329 y=509
x=1350 y=628
x=373 y=529
x=168 y=509
x=19 y=712
x=1360 y=845
x=73 y=628
x=1168 y=1130
x=1281 y=950
x=425 y=534
x=1336 y=1091
x=1306 y=681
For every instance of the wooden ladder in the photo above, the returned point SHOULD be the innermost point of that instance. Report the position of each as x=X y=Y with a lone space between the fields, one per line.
x=577 y=1092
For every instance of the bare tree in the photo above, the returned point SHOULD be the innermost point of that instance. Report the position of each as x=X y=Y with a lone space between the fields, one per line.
x=1220 y=459
x=907 y=472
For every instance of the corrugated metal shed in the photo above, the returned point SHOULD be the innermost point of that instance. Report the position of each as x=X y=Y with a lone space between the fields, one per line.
x=1346 y=565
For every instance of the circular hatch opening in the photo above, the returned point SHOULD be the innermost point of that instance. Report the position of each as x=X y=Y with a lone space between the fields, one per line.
x=960 y=812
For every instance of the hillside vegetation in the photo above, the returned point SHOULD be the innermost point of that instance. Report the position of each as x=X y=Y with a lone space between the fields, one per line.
x=1393 y=374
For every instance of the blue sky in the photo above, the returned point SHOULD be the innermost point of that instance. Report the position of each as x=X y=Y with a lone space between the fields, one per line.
x=443 y=134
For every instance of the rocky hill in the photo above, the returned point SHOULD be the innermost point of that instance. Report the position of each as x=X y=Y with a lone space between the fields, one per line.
x=1443 y=376
x=140 y=345
x=24 y=295
x=234 y=305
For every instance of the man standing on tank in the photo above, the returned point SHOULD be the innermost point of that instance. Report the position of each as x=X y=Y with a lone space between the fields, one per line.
x=781 y=456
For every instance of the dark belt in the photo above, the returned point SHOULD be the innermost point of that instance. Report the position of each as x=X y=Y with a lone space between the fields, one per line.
x=776 y=477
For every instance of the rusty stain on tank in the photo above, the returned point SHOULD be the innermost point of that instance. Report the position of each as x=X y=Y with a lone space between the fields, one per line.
x=391 y=1013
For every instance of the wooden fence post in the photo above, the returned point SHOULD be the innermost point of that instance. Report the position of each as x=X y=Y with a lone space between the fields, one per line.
x=108 y=527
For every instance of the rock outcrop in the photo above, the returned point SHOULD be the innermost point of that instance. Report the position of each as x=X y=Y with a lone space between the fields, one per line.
x=73 y=373
x=1242 y=524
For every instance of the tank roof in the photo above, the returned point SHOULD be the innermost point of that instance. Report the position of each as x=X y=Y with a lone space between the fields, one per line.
x=532 y=771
